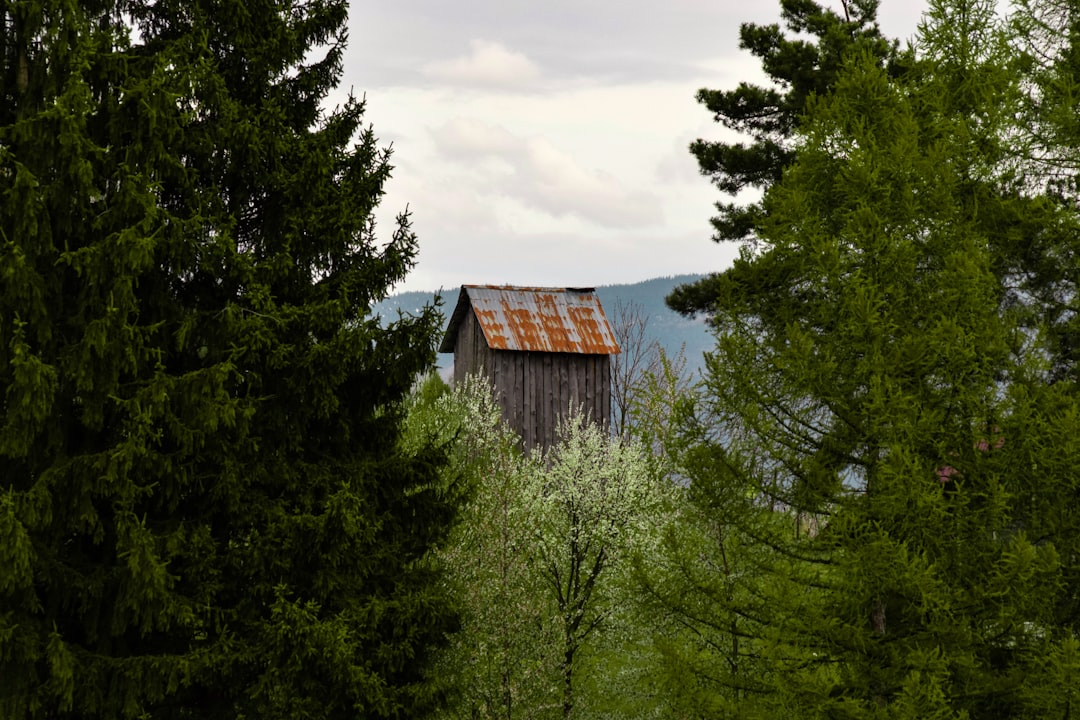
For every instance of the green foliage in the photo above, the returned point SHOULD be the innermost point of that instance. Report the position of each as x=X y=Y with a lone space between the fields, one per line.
x=541 y=562
x=1043 y=262
x=204 y=507
x=881 y=462
x=730 y=581
x=502 y=662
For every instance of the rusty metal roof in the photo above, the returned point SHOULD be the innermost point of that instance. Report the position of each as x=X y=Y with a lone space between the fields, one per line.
x=568 y=320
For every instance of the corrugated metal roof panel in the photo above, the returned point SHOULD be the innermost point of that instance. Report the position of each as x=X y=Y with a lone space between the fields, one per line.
x=540 y=319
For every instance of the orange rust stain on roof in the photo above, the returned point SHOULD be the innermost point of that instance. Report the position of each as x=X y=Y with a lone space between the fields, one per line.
x=535 y=319
x=587 y=324
x=493 y=328
x=526 y=332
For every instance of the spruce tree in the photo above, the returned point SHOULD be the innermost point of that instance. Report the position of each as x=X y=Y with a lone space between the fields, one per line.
x=871 y=376
x=204 y=508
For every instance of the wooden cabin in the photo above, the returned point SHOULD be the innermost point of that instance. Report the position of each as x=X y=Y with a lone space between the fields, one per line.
x=544 y=350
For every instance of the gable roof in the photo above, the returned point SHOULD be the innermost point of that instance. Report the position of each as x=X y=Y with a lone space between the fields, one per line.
x=568 y=320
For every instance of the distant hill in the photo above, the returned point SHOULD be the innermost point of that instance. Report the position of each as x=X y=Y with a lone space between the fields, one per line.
x=671 y=329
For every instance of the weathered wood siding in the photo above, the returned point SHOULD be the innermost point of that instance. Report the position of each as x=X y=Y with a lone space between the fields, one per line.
x=471 y=351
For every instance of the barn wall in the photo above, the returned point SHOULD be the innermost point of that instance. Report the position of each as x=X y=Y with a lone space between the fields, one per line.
x=505 y=370
x=536 y=388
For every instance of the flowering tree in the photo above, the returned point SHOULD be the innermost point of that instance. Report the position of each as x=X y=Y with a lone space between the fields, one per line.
x=540 y=560
x=596 y=501
x=501 y=662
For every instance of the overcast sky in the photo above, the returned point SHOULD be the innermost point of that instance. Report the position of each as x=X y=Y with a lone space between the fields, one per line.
x=545 y=142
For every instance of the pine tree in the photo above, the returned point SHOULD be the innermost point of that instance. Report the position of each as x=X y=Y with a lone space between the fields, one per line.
x=799 y=69
x=1044 y=266
x=872 y=376
x=204 y=507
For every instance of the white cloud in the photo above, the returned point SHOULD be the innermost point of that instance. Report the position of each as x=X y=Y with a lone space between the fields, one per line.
x=463 y=138
x=572 y=168
x=488 y=64
x=678 y=166
x=536 y=173
x=562 y=186
x=553 y=188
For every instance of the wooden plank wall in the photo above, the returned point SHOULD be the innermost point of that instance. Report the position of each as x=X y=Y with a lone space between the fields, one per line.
x=537 y=388
x=506 y=377
x=463 y=351
x=471 y=352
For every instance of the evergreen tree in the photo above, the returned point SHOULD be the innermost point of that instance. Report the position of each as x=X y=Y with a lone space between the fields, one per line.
x=799 y=68
x=877 y=393
x=204 y=508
